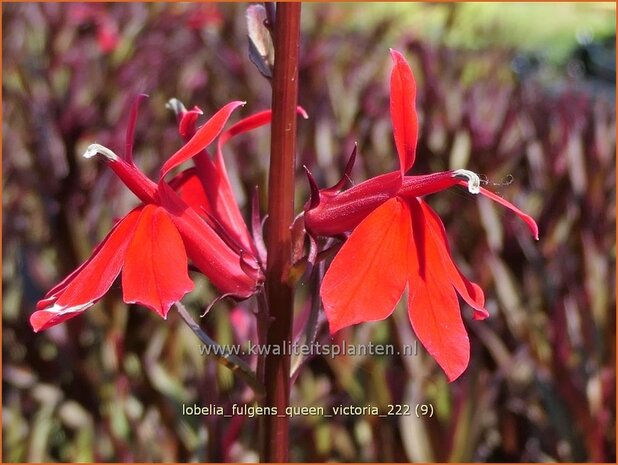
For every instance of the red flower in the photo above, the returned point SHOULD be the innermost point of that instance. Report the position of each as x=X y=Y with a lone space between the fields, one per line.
x=397 y=240
x=152 y=244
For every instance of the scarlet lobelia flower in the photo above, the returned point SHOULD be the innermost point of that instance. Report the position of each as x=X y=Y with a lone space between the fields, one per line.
x=397 y=240
x=194 y=217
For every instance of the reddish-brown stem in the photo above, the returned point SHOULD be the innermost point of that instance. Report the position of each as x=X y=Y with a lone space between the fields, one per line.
x=274 y=428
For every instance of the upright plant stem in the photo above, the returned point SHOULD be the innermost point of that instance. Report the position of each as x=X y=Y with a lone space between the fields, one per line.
x=274 y=428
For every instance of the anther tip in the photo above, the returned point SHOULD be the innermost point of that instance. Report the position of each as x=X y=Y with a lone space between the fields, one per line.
x=95 y=149
x=90 y=152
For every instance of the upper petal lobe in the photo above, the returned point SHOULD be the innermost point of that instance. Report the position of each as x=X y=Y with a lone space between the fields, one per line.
x=403 y=112
x=202 y=138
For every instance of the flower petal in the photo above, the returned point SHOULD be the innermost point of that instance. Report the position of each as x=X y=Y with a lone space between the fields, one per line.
x=496 y=198
x=403 y=111
x=189 y=188
x=434 y=313
x=188 y=120
x=217 y=184
x=155 y=269
x=90 y=282
x=433 y=306
x=471 y=292
x=368 y=275
x=130 y=135
x=202 y=138
x=205 y=247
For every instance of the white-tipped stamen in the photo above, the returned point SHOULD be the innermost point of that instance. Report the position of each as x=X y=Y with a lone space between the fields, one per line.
x=176 y=106
x=474 y=182
x=95 y=149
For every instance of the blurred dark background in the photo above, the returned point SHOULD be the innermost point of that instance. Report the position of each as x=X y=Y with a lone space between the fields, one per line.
x=523 y=94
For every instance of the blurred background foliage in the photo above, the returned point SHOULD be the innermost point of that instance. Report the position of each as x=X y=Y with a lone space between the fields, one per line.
x=522 y=93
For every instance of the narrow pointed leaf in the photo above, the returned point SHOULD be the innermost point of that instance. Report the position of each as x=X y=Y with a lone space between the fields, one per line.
x=403 y=111
x=368 y=276
x=155 y=270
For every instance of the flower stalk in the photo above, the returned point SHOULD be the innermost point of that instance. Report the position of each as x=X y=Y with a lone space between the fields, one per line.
x=231 y=361
x=279 y=293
